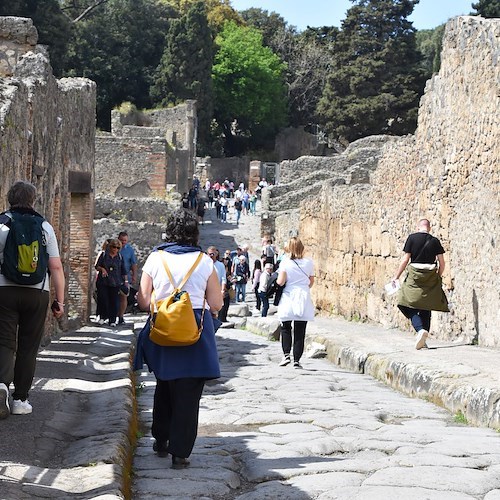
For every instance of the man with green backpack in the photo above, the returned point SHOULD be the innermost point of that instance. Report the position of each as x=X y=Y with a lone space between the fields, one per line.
x=28 y=254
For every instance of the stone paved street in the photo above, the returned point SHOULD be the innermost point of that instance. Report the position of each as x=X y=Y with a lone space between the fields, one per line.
x=320 y=432
x=277 y=432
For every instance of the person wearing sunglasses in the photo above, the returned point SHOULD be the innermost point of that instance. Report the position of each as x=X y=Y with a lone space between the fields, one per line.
x=111 y=275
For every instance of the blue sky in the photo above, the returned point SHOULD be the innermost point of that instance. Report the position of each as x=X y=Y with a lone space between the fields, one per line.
x=302 y=13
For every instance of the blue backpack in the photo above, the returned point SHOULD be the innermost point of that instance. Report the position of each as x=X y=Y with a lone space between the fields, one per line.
x=25 y=256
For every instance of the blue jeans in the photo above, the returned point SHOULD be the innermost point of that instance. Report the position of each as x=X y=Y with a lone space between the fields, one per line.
x=240 y=290
x=238 y=215
x=420 y=318
x=223 y=214
x=265 y=303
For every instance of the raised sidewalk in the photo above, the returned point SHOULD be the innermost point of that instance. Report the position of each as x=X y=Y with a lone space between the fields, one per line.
x=461 y=378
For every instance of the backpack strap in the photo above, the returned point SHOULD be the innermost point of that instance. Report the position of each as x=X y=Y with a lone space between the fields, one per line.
x=427 y=241
x=188 y=275
x=181 y=284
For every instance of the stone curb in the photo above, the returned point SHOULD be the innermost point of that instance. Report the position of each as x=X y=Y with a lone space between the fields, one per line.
x=85 y=432
x=268 y=327
x=451 y=385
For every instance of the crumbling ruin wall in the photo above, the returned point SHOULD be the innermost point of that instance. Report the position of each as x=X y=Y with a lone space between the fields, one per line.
x=448 y=172
x=147 y=152
x=47 y=129
x=144 y=219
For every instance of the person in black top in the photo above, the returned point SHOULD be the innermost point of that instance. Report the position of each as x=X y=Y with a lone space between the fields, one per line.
x=421 y=291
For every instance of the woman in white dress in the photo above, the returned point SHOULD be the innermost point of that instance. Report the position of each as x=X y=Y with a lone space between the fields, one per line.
x=297 y=274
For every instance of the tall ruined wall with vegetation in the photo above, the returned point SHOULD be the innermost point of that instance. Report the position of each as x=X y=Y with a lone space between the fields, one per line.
x=47 y=134
x=448 y=172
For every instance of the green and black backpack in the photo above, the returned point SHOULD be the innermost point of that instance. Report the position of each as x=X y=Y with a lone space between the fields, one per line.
x=25 y=256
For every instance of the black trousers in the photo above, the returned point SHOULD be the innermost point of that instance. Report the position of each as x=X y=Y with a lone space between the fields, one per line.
x=175 y=413
x=22 y=320
x=225 y=307
x=108 y=302
x=299 y=335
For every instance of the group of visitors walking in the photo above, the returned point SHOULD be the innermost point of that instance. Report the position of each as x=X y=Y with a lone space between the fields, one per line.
x=178 y=272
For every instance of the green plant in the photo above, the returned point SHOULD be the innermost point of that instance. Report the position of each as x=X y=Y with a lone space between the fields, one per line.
x=460 y=418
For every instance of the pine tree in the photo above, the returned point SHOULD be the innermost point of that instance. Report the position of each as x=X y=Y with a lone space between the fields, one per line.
x=186 y=66
x=376 y=79
x=487 y=8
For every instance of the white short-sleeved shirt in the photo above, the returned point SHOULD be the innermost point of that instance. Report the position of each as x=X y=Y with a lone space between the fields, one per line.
x=52 y=250
x=296 y=303
x=179 y=266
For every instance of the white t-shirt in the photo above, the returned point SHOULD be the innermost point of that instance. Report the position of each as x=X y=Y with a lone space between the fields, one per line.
x=52 y=250
x=179 y=266
x=296 y=303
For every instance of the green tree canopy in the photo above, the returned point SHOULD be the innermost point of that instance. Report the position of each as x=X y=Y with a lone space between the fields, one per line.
x=218 y=11
x=430 y=44
x=487 y=8
x=54 y=28
x=376 y=79
x=185 y=71
x=250 y=95
x=307 y=58
x=119 y=45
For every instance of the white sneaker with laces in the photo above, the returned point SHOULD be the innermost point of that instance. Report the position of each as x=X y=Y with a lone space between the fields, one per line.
x=4 y=401
x=421 y=338
x=21 y=407
x=285 y=361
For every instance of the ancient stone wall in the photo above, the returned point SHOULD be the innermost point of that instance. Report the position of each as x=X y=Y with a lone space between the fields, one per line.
x=292 y=143
x=142 y=218
x=448 y=172
x=47 y=129
x=148 y=152
x=235 y=169
x=124 y=162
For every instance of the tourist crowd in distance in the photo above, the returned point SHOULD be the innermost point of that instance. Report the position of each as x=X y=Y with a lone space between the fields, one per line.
x=230 y=201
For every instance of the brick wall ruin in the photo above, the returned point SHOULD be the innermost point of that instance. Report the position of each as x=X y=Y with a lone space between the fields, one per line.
x=147 y=152
x=448 y=172
x=47 y=129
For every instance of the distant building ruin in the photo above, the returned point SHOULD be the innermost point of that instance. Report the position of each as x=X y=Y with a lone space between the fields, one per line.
x=147 y=152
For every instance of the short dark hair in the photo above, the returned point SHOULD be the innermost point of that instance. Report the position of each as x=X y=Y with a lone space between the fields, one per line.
x=182 y=227
x=122 y=233
x=22 y=194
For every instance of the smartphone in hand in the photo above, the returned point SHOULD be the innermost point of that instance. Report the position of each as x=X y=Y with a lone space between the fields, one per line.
x=55 y=306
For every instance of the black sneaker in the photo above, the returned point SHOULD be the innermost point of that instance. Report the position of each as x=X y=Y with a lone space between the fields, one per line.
x=179 y=463
x=121 y=321
x=160 y=448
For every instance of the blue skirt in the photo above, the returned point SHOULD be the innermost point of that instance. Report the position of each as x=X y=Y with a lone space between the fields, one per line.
x=199 y=360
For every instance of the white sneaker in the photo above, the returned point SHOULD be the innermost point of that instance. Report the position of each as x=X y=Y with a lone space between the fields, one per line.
x=101 y=321
x=421 y=338
x=21 y=407
x=112 y=325
x=285 y=361
x=296 y=364
x=4 y=401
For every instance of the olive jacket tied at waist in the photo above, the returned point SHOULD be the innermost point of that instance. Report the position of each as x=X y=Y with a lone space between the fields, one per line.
x=422 y=289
